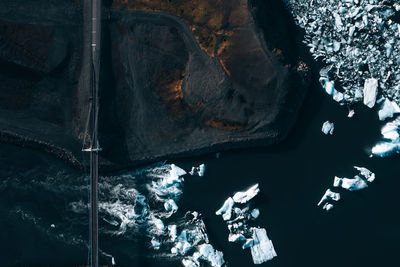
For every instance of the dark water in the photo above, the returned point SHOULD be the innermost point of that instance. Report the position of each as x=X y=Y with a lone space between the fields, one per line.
x=363 y=229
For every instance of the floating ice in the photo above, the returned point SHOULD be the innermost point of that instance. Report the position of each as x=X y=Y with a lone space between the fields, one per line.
x=226 y=209
x=370 y=176
x=328 y=127
x=262 y=249
x=214 y=257
x=350 y=184
x=391 y=145
x=351 y=113
x=327 y=206
x=329 y=195
x=170 y=205
x=243 y=197
x=370 y=92
x=388 y=109
x=52 y=226
x=155 y=243
x=172 y=232
x=236 y=238
x=329 y=87
x=198 y=170
x=255 y=213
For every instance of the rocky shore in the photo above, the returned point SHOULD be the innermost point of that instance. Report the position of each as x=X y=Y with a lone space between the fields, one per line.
x=165 y=91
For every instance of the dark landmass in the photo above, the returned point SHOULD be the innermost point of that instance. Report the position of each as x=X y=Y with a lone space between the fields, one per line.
x=178 y=78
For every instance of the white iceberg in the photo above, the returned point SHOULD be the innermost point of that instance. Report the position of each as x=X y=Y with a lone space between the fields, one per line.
x=236 y=238
x=262 y=249
x=170 y=205
x=328 y=127
x=384 y=149
x=351 y=113
x=214 y=257
x=329 y=87
x=388 y=109
x=370 y=92
x=243 y=197
x=198 y=170
x=329 y=195
x=255 y=213
x=172 y=232
x=370 y=176
x=391 y=133
x=350 y=184
x=226 y=209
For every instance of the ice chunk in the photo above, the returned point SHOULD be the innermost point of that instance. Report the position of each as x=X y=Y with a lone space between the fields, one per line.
x=370 y=176
x=249 y=243
x=328 y=127
x=243 y=197
x=170 y=205
x=388 y=109
x=190 y=263
x=236 y=238
x=214 y=257
x=350 y=184
x=255 y=213
x=329 y=195
x=112 y=261
x=198 y=170
x=370 y=92
x=155 y=243
x=392 y=144
x=172 y=232
x=262 y=249
x=52 y=226
x=351 y=113
x=327 y=206
x=226 y=209
x=391 y=131
x=329 y=87
x=385 y=149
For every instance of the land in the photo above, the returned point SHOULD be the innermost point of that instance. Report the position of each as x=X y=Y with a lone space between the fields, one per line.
x=177 y=78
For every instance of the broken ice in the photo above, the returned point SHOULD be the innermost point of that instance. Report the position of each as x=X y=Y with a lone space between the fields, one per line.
x=198 y=170
x=226 y=209
x=368 y=175
x=262 y=249
x=353 y=184
x=243 y=197
x=388 y=109
x=328 y=127
x=391 y=144
x=329 y=195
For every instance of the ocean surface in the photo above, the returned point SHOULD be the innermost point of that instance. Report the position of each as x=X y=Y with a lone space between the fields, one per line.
x=44 y=220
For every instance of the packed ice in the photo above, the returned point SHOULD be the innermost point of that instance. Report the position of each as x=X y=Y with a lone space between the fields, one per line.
x=328 y=127
x=391 y=140
x=238 y=214
x=358 y=42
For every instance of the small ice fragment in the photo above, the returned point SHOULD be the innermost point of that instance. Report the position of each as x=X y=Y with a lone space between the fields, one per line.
x=198 y=170
x=112 y=261
x=155 y=243
x=328 y=127
x=350 y=184
x=388 y=109
x=262 y=249
x=327 y=206
x=338 y=21
x=351 y=113
x=52 y=226
x=243 y=197
x=329 y=195
x=214 y=257
x=226 y=209
x=170 y=205
x=370 y=92
x=370 y=176
x=255 y=213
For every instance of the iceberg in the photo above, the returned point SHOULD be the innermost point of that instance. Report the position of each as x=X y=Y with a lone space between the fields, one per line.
x=385 y=149
x=243 y=197
x=329 y=87
x=172 y=232
x=328 y=127
x=350 y=184
x=370 y=92
x=368 y=175
x=262 y=249
x=198 y=170
x=255 y=213
x=214 y=257
x=155 y=243
x=327 y=206
x=226 y=209
x=236 y=238
x=388 y=109
x=329 y=195
x=170 y=205
x=391 y=133
x=351 y=113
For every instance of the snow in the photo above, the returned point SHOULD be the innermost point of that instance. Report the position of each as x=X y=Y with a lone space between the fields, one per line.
x=226 y=209
x=350 y=184
x=243 y=197
x=329 y=195
x=262 y=249
x=328 y=127
x=370 y=92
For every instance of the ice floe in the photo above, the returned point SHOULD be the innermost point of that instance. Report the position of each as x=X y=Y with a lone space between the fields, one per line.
x=329 y=195
x=354 y=184
x=328 y=127
x=198 y=170
x=391 y=143
x=237 y=220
